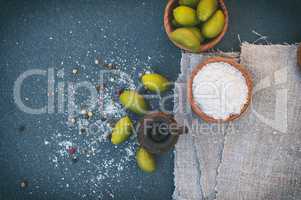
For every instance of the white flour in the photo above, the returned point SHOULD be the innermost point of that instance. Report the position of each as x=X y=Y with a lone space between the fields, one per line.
x=220 y=90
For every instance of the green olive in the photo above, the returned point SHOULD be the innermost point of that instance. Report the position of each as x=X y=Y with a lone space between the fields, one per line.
x=186 y=38
x=214 y=26
x=145 y=160
x=155 y=82
x=197 y=32
x=122 y=130
x=185 y=16
x=133 y=101
x=205 y=9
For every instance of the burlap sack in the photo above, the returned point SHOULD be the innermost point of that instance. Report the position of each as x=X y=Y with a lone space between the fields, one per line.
x=262 y=154
x=256 y=157
x=197 y=154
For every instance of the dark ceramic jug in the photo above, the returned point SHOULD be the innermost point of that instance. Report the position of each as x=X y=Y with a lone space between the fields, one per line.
x=159 y=132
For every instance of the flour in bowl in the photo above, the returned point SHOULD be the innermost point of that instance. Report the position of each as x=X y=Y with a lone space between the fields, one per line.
x=220 y=90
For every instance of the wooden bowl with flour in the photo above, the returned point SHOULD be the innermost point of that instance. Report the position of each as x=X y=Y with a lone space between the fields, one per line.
x=238 y=70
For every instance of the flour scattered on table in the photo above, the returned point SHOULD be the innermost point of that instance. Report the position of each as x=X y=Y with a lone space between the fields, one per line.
x=81 y=150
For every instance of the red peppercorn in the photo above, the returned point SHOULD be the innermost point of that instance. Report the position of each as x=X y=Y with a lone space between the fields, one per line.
x=72 y=150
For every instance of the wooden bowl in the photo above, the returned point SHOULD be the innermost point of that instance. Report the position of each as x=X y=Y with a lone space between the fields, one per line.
x=168 y=13
x=246 y=74
x=299 y=55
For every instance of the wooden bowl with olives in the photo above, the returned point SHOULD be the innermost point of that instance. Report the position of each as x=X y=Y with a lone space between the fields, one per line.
x=196 y=25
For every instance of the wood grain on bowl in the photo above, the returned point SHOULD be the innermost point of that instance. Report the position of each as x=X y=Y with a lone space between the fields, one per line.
x=194 y=106
x=171 y=4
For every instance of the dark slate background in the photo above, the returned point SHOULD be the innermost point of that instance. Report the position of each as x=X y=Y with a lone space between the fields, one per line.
x=42 y=34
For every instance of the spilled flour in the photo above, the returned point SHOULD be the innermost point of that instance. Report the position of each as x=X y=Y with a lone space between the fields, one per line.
x=220 y=90
x=79 y=148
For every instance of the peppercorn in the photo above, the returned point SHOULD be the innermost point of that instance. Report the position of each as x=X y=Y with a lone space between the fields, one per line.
x=24 y=184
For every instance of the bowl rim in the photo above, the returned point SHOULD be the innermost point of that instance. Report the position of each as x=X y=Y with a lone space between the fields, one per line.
x=197 y=110
x=171 y=4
